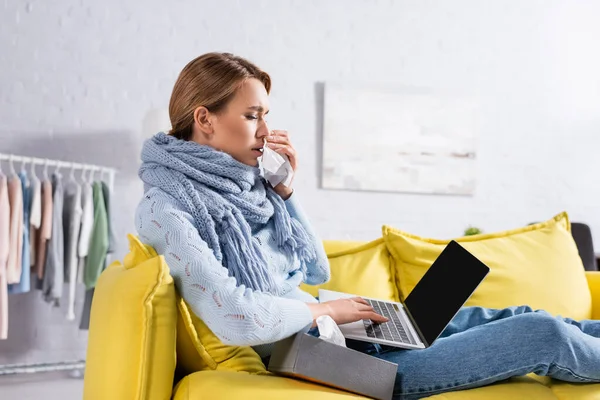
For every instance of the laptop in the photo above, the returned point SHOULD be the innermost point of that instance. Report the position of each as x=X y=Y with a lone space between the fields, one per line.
x=418 y=321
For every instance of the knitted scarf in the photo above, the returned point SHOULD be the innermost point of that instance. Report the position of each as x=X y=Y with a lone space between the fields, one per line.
x=227 y=199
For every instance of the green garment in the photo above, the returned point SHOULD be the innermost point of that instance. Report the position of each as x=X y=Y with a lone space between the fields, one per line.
x=94 y=263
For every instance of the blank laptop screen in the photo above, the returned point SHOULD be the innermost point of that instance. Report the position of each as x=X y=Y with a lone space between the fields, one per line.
x=444 y=289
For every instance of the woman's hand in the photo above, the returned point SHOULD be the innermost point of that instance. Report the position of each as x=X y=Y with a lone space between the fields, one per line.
x=279 y=141
x=343 y=311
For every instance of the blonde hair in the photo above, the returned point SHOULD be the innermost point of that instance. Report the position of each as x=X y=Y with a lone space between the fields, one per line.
x=210 y=80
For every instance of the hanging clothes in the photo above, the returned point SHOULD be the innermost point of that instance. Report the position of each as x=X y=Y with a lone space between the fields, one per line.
x=52 y=288
x=72 y=213
x=24 y=284
x=98 y=241
x=44 y=233
x=107 y=195
x=35 y=215
x=4 y=239
x=15 y=243
x=87 y=223
x=96 y=259
x=84 y=323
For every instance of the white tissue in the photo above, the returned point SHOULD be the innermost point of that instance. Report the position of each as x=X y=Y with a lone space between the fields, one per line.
x=329 y=331
x=276 y=167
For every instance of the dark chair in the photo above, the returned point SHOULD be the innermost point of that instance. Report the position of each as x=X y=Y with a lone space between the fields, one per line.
x=583 y=238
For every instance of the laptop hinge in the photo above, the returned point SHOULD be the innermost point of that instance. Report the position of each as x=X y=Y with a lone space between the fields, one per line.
x=415 y=326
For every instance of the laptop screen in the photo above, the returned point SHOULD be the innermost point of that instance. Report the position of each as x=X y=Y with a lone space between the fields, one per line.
x=444 y=289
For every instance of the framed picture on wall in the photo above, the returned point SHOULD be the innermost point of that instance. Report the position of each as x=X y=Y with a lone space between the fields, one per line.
x=399 y=140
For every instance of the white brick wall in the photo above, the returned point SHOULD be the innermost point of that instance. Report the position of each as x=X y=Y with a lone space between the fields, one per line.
x=78 y=77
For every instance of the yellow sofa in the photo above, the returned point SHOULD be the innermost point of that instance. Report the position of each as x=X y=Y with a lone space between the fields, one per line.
x=145 y=344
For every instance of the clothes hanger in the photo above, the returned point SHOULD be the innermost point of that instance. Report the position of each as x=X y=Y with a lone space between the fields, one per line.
x=83 y=168
x=72 y=173
x=32 y=170
x=106 y=175
x=11 y=164
x=91 y=176
x=46 y=170
x=23 y=162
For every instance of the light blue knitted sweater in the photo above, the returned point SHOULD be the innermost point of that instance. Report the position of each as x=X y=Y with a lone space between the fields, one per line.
x=236 y=314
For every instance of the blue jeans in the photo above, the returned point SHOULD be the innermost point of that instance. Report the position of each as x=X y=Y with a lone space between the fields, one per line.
x=481 y=346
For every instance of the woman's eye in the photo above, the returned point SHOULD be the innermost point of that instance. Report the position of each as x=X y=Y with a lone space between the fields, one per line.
x=251 y=117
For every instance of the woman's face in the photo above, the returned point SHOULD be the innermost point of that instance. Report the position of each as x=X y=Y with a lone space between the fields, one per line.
x=238 y=129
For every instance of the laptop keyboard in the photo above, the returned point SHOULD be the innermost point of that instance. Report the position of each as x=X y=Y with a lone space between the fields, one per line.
x=393 y=330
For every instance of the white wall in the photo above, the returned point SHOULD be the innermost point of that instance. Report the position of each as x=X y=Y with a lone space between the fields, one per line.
x=78 y=78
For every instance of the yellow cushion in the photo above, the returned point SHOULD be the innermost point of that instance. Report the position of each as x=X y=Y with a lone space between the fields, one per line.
x=131 y=345
x=537 y=265
x=337 y=246
x=593 y=278
x=198 y=349
x=361 y=269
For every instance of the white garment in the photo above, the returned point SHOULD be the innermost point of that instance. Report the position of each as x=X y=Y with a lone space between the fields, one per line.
x=87 y=223
x=35 y=216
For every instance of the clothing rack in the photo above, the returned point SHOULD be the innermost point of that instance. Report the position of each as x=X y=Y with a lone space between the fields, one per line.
x=11 y=158
x=73 y=365
x=13 y=369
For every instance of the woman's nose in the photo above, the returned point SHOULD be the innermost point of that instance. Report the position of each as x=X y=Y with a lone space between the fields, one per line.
x=263 y=130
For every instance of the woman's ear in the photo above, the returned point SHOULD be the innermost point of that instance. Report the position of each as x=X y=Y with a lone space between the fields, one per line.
x=202 y=119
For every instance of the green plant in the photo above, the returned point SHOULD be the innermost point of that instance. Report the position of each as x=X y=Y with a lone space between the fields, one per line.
x=471 y=230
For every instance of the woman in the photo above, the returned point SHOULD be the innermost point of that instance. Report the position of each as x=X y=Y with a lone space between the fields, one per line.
x=238 y=248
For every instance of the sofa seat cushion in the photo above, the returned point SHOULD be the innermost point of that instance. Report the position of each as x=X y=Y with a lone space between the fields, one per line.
x=579 y=391
x=537 y=265
x=521 y=388
x=359 y=268
x=226 y=385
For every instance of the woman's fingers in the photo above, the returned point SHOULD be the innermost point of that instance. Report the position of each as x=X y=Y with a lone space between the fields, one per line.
x=367 y=311
x=351 y=310
x=373 y=316
x=364 y=307
x=360 y=300
x=279 y=136
x=279 y=141
x=288 y=150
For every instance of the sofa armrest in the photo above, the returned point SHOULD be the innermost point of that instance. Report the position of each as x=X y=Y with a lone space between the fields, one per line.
x=593 y=278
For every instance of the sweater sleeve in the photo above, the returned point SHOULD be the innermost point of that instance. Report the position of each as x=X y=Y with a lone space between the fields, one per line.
x=236 y=314
x=318 y=271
